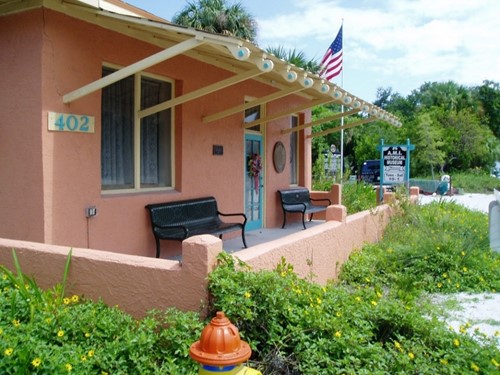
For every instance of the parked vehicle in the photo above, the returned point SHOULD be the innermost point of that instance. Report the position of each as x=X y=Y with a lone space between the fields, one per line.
x=370 y=171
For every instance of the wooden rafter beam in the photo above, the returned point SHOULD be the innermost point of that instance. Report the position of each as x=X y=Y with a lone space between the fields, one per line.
x=321 y=121
x=132 y=69
x=347 y=126
x=288 y=112
x=201 y=92
x=253 y=103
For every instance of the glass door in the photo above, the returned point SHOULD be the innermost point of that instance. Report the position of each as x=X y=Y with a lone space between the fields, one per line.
x=254 y=181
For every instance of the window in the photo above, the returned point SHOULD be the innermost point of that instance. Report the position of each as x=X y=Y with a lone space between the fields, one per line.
x=135 y=153
x=294 y=165
x=253 y=114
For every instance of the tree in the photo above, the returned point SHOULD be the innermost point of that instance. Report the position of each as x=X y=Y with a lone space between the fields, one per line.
x=218 y=17
x=468 y=142
x=297 y=58
x=428 y=145
x=489 y=96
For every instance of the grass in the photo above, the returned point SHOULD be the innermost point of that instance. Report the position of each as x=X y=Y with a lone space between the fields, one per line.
x=476 y=181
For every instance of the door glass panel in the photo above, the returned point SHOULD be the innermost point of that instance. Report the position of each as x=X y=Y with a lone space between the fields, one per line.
x=253 y=181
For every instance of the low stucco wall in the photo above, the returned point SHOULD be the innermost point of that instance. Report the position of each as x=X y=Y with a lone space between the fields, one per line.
x=139 y=284
x=318 y=252
x=136 y=284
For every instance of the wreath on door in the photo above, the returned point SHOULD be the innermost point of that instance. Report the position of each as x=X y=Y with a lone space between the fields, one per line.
x=254 y=169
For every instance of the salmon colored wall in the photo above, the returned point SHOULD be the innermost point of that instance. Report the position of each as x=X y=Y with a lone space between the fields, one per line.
x=138 y=284
x=64 y=168
x=322 y=249
x=21 y=188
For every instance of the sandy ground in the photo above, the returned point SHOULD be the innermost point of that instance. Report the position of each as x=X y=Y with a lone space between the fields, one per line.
x=481 y=311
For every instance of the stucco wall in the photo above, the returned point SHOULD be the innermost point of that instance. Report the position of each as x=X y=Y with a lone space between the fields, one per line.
x=21 y=167
x=138 y=284
x=48 y=178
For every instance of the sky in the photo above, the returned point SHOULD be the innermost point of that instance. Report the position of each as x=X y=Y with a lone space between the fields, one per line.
x=397 y=44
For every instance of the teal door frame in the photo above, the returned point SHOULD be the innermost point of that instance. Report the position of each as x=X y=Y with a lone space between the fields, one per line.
x=254 y=181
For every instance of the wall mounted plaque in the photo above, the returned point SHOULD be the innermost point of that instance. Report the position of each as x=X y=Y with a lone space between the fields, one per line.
x=279 y=157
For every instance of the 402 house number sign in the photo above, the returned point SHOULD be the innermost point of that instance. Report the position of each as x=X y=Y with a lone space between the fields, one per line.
x=67 y=122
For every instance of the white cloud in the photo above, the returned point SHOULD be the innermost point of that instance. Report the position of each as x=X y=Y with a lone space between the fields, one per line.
x=417 y=40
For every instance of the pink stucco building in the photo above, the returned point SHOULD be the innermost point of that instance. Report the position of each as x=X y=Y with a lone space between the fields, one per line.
x=106 y=108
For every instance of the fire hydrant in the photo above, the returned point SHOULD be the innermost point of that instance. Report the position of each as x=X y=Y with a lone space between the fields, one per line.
x=220 y=349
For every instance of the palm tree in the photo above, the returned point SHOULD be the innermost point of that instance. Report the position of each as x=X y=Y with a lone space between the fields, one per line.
x=218 y=17
x=297 y=58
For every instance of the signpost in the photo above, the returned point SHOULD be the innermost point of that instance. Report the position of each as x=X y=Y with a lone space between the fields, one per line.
x=394 y=164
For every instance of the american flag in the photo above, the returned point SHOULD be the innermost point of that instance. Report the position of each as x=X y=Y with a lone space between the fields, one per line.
x=331 y=64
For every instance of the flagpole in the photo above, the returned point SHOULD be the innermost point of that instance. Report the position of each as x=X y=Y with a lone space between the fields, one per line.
x=342 y=110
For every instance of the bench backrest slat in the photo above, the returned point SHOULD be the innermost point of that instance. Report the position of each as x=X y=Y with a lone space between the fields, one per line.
x=200 y=210
x=294 y=196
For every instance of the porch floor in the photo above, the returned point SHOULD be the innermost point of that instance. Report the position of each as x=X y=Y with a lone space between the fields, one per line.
x=262 y=235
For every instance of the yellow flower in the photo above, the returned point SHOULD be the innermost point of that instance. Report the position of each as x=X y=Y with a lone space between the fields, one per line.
x=445 y=275
x=75 y=298
x=68 y=367
x=48 y=320
x=16 y=323
x=367 y=279
x=465 y=269
x=338 y=314
x=87 y=334
x=379 y=295
x=398 y=346
x=474 y=367
x=247 y=295
x=456 y=342
x=411 y=355
x=463 y=253
x=337 y=334
x=60 y=333
x=8 y=352
x=90 y=353
x=36 y=362
x=66 y=301
x=318 y=300
x=495 y=363
x=83 y=357
x=374 y=303
x=439 y=285
x=358 y=298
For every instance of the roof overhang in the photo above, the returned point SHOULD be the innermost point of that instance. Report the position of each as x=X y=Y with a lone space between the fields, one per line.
x=242 y=59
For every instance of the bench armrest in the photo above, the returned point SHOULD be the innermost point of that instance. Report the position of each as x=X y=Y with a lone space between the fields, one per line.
x=322 y=199
x=235 y=214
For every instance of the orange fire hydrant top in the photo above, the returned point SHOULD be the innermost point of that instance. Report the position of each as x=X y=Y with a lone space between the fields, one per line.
x=220 y=344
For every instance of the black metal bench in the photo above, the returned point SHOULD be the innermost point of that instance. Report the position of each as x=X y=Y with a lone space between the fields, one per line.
x=179 y=220
x=299 y=200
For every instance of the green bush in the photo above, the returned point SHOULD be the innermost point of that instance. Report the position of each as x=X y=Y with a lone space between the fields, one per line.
x=439 y=247
x=475 y=182
x=356 y=196
x=42 y=332
x=298 y=327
